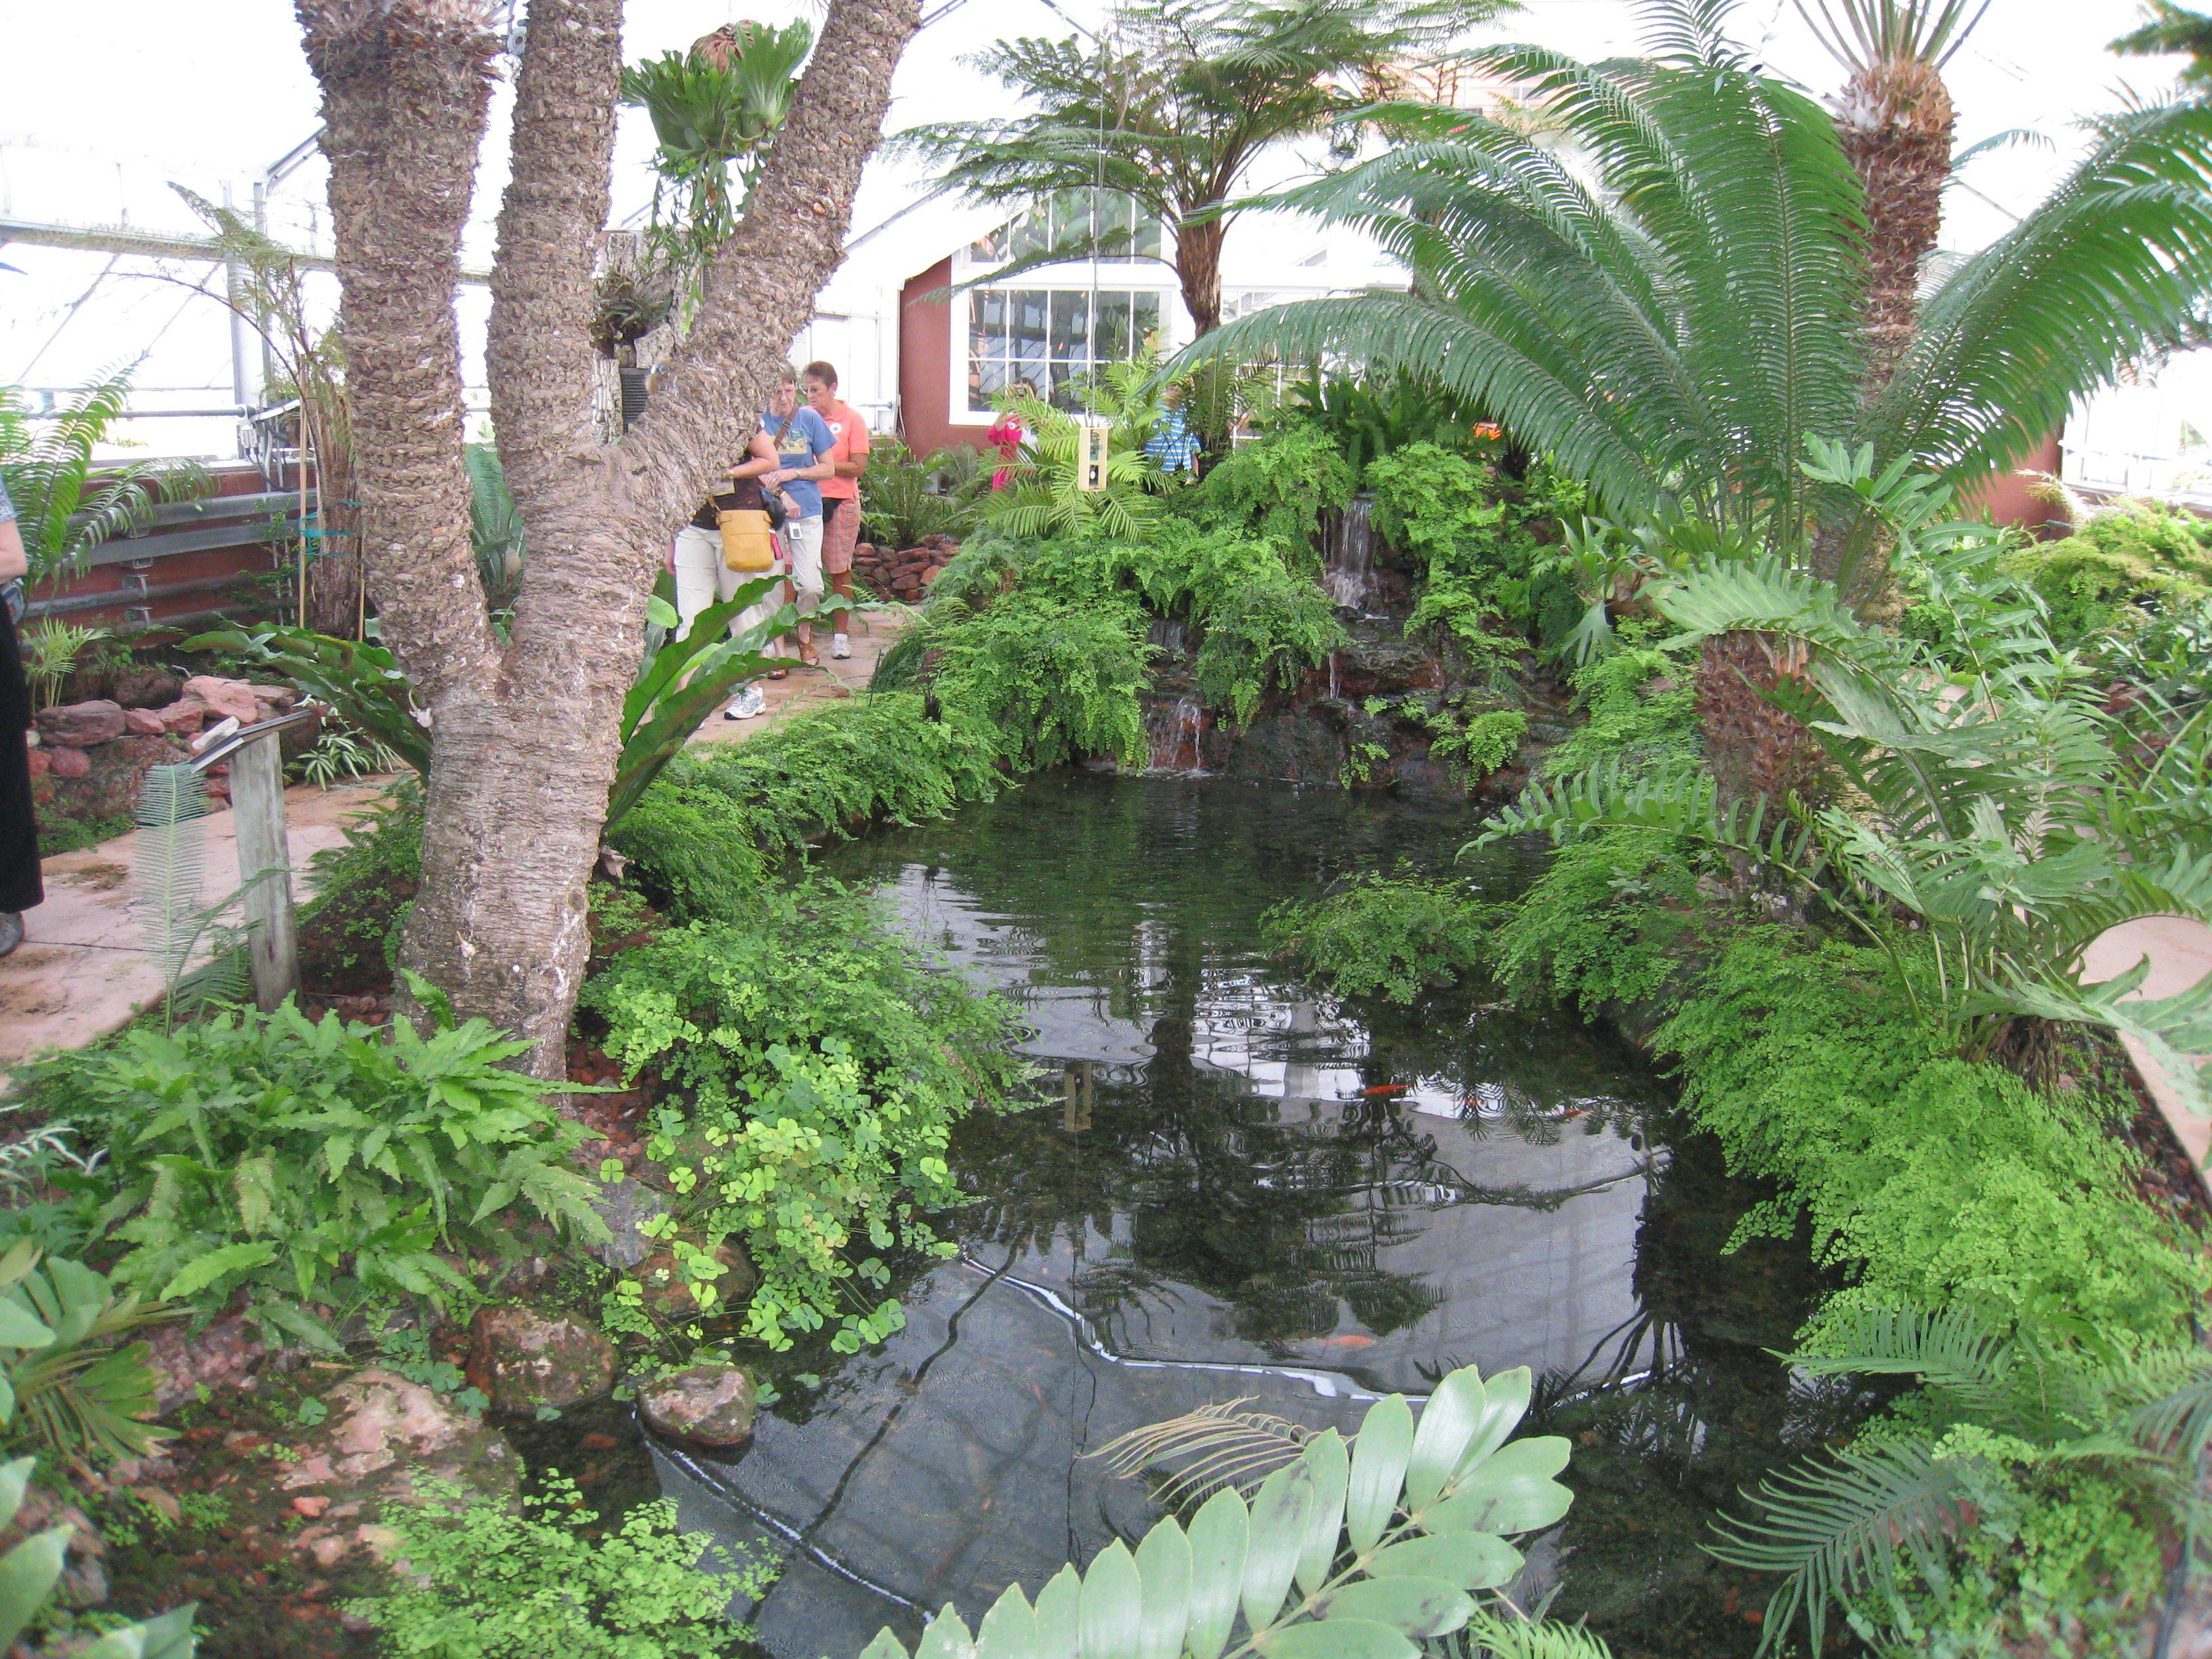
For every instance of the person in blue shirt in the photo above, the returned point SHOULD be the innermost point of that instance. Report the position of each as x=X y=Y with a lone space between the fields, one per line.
x=1173 y=445
x=20 y=886
x=803 y=443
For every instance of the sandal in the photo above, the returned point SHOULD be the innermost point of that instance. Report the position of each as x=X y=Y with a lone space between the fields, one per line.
x=809 y=656
x=779 y=674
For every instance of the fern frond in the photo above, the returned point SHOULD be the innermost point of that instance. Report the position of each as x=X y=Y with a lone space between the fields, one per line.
x=1225 y=1446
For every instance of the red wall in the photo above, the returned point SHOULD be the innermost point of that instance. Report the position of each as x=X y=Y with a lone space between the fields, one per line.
x=926 y=365
x=2006 y=500
x=217 y=568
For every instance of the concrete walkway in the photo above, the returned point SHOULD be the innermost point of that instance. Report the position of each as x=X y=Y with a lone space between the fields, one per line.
x=84 y=970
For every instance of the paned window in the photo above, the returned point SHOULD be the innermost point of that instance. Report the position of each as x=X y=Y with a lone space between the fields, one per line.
x=1126 y=231
x=1043 y=336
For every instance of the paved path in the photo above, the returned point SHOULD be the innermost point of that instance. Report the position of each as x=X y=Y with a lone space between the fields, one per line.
x=872 y=634
x=83 y=968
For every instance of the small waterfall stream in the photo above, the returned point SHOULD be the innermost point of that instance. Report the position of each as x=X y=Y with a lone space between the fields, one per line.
x=1176 y=730
x=1348 y=555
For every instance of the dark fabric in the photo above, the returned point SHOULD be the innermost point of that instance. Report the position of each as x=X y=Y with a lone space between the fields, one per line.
x=744 y=496
x=20 y=885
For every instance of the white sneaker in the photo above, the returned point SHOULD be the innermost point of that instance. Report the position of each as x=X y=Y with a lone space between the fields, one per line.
x=748 y=704
x=840 y=646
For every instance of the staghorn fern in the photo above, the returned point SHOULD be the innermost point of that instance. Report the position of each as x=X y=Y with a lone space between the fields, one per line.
x=1355 y=1550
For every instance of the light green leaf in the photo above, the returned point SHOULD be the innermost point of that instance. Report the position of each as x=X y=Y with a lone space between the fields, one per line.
x=231 y=1258
x=22 y=1328
x=1111 y=1605
x=1448 y=1425
x=28 y=1573
x=1325 y=1455
x=168 y=1637
x=1385 y=1440
x=1218 y=1533
x=14 y=1476
x=1163 y=1568
x=658 y=613
x=946 y=1638
x=1058 y=1616
x=1008 y=1630
x=1472 y=1560
x=1506 y=1402
x=1278 y=1535
x=885 y=1646
x=1512 y=1493
x=1339 y=1638
x=1419 y=1608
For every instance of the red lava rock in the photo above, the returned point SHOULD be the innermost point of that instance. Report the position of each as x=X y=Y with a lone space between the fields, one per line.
x=523 y=1359
x=144 y=723
x=224 y=698
x=312 y=1507
x=599 y=1443
x=42 y=762
x=182 y=717
x=80 y=725
x=225 y=1357
x=70 y=762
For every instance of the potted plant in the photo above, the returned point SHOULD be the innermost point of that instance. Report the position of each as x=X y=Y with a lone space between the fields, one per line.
x=630 y=305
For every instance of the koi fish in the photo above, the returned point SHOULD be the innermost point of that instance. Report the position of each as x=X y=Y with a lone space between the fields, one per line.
x=1386 y=1089
x=1350 y=1339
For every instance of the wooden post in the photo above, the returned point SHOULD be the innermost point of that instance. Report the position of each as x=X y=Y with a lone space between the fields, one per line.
x=256 y=800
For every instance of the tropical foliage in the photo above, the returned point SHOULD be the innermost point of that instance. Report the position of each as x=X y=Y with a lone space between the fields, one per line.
x=315 y=1165
x=1172 y=106
x=1670 y=326
x=1352 y=1549
x=66 y=503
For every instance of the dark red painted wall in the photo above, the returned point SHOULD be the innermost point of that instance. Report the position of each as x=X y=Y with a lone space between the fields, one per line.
x=926 y=365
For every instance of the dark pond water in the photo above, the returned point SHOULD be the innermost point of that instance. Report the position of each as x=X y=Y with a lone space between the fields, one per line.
x=1235 y=1188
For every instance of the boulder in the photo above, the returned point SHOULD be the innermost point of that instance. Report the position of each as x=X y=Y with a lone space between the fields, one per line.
x=80 y=725
x=107 y=786
x=224 y=698
x=68 y=763
x=225 y=1358
x=183 y=717
x=706 y=1405
x=146 y=687
x=283 y=698
x=83 y=1583
x=626 y=1207
x=669 y=1294
x=522 y=1358
x=384 y=1443
x=42 y=762
x=143 y=722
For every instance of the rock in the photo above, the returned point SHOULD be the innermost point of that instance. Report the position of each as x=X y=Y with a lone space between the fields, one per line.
x=313 y=1508
x=522 y=1358
x=626 y=1207
x=80 y=725
x=283 y=698
x=146 y=687
x=388 y=1441
x=108 y=787
x=668 y=1292
x=143 y=722
x=224 y=698
x=224 y=1359
x=705 y=1405
x=183 y=717
x=83 y=1583
x=42 y=762
x=70 y=762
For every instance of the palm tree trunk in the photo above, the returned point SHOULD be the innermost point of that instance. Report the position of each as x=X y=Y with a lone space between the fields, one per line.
x=1896 y=123
x=526 y=731
x=1198 y=264
x=1755 y=750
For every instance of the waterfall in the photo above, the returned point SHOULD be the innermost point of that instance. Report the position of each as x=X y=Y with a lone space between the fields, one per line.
x=1175 y=730
x=1348 y=555
x=1335 y=689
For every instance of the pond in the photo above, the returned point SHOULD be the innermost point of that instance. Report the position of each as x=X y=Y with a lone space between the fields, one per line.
x=1235 y=1188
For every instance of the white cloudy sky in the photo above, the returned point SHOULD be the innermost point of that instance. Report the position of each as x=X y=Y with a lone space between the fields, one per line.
x=108 y=101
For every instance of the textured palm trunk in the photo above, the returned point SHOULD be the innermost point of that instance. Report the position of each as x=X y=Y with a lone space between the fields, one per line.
x=1198 y=267
x=1755 y=750
x=1896 y=123
x=526 y=731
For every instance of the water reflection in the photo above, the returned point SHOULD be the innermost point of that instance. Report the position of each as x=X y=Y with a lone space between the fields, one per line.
x=1233 y=1188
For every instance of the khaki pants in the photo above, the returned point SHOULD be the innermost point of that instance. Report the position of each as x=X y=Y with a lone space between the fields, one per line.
x=701 y=579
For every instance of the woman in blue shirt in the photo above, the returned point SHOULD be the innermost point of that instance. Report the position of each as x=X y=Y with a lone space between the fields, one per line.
x=802 y=443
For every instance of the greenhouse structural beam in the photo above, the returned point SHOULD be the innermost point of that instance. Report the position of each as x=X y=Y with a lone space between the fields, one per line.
x=117 y=238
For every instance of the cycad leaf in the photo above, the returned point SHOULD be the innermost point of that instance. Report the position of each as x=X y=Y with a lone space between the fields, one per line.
x=1379 y=1455
x=1219 y=1533
x=1277 y=1541
x=1111 y=1606
x=1163 y=1570
x=1415 y=1607
x=1472 y=1561
x=1330 y=1464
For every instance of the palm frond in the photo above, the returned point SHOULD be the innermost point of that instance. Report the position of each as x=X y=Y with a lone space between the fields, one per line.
x=1217 y=1445
x=1845 y=1531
